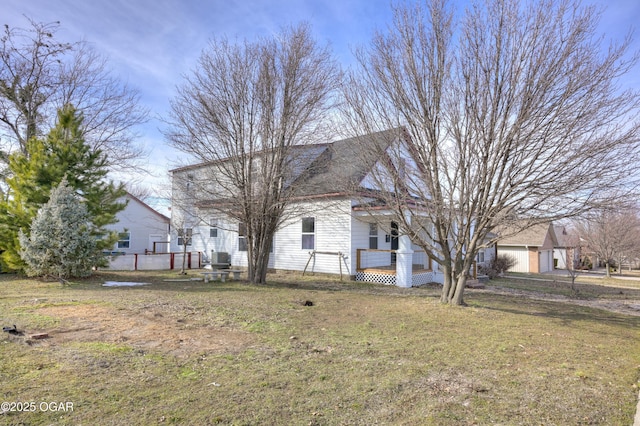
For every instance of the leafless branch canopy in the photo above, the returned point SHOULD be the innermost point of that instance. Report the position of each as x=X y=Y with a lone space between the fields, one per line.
x=513 y=112
x=612 y=236
x=244 y=111
x=39 y=75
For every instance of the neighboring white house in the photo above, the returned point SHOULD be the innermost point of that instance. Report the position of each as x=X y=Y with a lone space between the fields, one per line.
x=532 y=248
x=566 y=254
x=328 y=230
x=140 y=229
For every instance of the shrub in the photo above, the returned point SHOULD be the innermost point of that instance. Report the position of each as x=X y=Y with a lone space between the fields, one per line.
x=61 y=243
x=498 y=266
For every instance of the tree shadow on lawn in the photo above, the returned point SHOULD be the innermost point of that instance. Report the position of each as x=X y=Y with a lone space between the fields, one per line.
x=567 y=312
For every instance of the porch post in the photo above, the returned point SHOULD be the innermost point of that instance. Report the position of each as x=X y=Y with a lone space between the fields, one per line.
x=404 y=260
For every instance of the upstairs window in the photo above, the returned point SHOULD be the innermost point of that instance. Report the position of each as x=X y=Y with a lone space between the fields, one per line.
x=308 y=233
x=186 y=237
x=189 y=183
x=213 y=228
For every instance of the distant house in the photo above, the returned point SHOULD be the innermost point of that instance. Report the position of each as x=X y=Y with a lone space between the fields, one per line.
x=566 y=254
x=328 y=229
x=140 y=229
x=532 y=248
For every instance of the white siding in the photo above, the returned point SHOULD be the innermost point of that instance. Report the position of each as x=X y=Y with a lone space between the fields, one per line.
x=560 y=255
x=332 y=233
x=225 y=241
x=140 y=221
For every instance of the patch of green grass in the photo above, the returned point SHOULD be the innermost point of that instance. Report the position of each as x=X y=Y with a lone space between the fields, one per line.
x=33 y=321
x=103 y=347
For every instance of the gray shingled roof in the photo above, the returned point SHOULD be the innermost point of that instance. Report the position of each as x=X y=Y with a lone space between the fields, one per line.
x=331 y=168
x=533 y=237
x=343 y=164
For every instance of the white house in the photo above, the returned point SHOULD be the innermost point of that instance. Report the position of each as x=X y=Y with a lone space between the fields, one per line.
x=328 y=230
x=532 y=248
x=566 y=254
x=140 y=229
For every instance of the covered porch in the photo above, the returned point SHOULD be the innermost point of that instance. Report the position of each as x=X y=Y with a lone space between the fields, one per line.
x=381 y=266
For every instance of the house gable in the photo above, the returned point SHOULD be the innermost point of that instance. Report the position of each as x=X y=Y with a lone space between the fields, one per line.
x=140 y=226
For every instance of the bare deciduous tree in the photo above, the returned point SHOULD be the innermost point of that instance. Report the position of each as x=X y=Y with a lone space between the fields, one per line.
x=244 y=111
x=613 y=236
x=569 y=251
x=40 y=74
x=514 y=112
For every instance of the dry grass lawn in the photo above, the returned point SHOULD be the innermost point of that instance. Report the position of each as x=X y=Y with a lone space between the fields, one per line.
x=234 y=353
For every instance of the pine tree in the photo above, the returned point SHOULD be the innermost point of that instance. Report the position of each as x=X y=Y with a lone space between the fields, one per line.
x=64 y=153
x=62 y=242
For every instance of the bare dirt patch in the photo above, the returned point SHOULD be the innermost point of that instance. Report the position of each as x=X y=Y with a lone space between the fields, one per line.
x=149 y=329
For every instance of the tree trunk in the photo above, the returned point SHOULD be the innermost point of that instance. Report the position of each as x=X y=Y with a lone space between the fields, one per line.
x=446 y=286
x=184 y=260
x=453 y=288
x=461 y=283
x=607 y=268
x=258 y=258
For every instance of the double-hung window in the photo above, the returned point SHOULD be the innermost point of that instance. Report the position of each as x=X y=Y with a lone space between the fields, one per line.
x=213 y=228
x=242 y=237
x=373 y=236
x=308 y=233
x=185 y=238
x=124 y=240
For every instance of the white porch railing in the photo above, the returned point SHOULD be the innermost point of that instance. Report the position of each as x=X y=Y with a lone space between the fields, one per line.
x=383 y=261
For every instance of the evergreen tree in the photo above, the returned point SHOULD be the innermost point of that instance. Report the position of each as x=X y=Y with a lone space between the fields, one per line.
x=62 y=242
x=64 y=153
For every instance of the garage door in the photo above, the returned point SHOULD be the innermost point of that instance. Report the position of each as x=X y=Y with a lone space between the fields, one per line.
x=546 y=261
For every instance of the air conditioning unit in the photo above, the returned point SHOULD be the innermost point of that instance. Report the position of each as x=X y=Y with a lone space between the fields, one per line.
x=220 y=259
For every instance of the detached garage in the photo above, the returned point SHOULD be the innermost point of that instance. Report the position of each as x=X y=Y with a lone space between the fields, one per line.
x=532 y=248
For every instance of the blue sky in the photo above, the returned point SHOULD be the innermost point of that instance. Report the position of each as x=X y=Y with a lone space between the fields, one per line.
x=152 y=43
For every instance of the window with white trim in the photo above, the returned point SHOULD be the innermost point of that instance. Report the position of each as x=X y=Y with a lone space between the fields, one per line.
x=213 y=227
x=124 y=240
x=308 y=233
x=186 y=237
x=242 y=237
x=373 y=236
